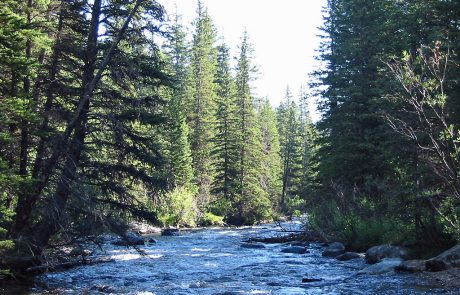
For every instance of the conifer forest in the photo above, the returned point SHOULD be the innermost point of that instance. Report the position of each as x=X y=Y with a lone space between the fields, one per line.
x=114 y=111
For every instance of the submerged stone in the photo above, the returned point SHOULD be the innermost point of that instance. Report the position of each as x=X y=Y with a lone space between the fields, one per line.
x=252 y=246
x=294 y=249
x=311 y=280
x=348 y=256
x=384 y=266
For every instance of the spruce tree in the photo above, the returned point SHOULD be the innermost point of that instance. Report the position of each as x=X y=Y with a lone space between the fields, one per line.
x=202 y=105
x=272 y=166
x=226 y=136
x=251 y=202
x=181 y=170
x=291 y=148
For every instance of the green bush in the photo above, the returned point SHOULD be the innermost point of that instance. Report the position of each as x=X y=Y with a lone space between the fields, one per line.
x=179 y=208
x=360 y=231
x=295 y=205
x=210 y=219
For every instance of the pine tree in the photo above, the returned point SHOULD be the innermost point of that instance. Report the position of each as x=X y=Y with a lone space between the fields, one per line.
x=93 y=146
x=291 y=148
x=271 y=168
x=309 y=137
x=251 y=203
x=226 y=136
x=181 y=172
x=202 y=107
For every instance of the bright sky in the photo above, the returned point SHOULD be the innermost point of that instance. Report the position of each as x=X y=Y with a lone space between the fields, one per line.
x=283 y=34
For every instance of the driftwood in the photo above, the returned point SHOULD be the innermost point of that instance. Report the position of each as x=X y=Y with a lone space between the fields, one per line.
x=303 y=236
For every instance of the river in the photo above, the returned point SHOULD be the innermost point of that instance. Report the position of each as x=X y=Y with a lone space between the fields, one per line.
x=211 y=261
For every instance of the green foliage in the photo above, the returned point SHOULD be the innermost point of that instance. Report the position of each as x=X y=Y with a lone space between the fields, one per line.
x=373 y=155
x=361 y=231
x=295 y=205
x=209 y=219
x=179 y=208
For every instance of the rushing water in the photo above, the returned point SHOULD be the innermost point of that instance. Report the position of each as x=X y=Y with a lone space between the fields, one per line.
x=211 y=261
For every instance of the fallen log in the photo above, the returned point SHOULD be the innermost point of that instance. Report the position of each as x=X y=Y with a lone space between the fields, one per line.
x=47 y=267
x=304 y=236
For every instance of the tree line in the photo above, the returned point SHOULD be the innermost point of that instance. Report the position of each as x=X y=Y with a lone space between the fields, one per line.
x=111 y=112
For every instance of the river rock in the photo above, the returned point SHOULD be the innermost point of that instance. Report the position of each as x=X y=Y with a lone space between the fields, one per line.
x=311 y=280
x=333 y=250
x=152 y=241
x=130 y=239
x=348 y=256
x=298 y=243
x=252 y=246
x=377 y=253
x=170 y=232
x=79 y=251
x=446 y=260
x=416 y=265
x=294 y=249
x=384 y=266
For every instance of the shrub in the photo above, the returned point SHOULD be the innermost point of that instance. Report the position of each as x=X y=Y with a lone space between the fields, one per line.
x=179 y=208
x=209 y=219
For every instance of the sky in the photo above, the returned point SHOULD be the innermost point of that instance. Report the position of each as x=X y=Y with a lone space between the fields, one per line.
x=284 y=35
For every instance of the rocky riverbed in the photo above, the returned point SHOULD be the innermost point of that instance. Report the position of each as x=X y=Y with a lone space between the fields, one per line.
x=218 y=261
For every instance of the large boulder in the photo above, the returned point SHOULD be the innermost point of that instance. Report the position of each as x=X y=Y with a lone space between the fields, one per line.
x=384 y=266
x=348 y=256
x=333 y=250
x=294 y=249
x=447 y=259
x=377 y=253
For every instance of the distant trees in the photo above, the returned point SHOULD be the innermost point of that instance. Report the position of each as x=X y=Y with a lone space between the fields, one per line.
x=234 y=141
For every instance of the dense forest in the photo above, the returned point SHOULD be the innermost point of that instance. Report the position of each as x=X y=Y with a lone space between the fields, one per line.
x=112 y=112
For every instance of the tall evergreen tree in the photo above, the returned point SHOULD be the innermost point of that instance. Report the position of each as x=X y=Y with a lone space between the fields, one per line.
x=309 y=137
x=227 y=134
x=181 y=172
x=291 y=148
x=251 y=203
x=202 y=104
x=271 y=178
